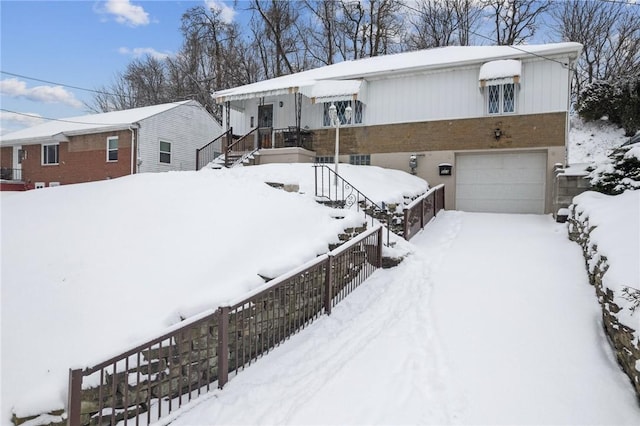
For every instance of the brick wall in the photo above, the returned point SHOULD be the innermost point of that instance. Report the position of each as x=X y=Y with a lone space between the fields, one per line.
x=6 y=157
x=82 y=159
x=518 y=131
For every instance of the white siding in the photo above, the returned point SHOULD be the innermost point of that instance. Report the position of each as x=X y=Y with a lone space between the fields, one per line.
x=436 y=95
x=187 y=127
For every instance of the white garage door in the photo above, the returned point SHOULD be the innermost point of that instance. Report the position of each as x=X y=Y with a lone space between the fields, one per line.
x=502 y=183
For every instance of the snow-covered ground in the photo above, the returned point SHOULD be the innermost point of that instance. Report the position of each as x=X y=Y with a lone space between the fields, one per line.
x=616 y=236
x=89 y=270
x=489 y=321
x=157 y=248
x=591 y=142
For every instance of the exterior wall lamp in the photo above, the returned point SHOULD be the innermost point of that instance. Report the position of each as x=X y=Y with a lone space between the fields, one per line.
x=497 y=133
x=335 y=122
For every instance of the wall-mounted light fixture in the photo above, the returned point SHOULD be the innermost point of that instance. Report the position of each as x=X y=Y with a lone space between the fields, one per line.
x=281 y=104
x=497 y=133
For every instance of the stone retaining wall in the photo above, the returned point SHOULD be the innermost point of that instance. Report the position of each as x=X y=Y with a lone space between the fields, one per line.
x=624 y=339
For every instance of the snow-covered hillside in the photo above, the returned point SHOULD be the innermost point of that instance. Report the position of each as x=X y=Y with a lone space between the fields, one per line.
x=90 y=269
x=591 y=142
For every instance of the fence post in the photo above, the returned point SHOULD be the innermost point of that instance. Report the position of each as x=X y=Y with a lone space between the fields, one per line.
x=379 y=251
x=74 y=397
x=406 y=224
x=223 y=346
x=328 y=285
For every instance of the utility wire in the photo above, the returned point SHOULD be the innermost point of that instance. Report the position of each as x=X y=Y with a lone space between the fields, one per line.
x=511 y=46
x=61 y=119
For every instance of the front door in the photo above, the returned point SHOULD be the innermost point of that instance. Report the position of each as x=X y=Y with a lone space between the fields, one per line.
x=18 y=155
x=265 y=124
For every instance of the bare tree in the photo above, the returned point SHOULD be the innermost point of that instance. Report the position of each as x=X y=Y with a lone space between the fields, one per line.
x=369 y=28
x=609 y=33
x=515 y=21
x=467 y=14
x=142 y=83
x=276 y=37
x=320 y=41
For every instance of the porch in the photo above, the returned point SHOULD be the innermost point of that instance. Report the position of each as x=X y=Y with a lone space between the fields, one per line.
x=290 y=144
x=11 y=180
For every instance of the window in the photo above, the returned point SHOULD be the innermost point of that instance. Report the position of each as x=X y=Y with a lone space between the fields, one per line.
x=112 y=148
x=360 y=159
x=501 y=98
x=165 y=152
x=356 y=117
x=325 y=159
x=22 y=155
x=50 y=154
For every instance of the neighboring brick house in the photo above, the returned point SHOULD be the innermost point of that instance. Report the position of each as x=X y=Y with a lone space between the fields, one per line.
x=497 y=116
x=99 y=146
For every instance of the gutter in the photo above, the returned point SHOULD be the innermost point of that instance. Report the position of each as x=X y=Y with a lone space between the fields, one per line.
x=133 y=127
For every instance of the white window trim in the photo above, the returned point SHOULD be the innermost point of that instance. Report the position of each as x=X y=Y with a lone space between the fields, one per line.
x=117 y=150
x=42 y=154
x=352 y=123
x=516 y=89
x=160 y=152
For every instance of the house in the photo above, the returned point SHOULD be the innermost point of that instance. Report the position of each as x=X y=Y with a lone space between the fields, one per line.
x=490 y=122
x=99 y=146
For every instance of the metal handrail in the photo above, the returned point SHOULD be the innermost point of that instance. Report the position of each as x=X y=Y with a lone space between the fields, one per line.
x=184 y=361
x=350 y=199
x=422 y=210
x=230 y=147
x=207 y=148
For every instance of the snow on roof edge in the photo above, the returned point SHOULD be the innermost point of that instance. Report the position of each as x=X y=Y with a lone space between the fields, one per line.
x=83 y=125
x=405 y=62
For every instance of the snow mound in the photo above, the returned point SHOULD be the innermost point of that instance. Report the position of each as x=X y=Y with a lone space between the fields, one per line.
x=89 y=270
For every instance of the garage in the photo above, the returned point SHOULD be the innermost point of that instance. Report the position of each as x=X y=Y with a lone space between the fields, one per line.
x=501 y=182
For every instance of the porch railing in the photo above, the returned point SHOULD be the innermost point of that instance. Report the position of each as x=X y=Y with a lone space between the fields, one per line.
x=334 y=190
x=7 y=173
x=213 y=149
x=421 y=210
x=241 y=146
x=157 y=377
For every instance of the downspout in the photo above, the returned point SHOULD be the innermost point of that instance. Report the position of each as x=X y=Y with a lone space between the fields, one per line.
x=134 y=147
x=567 y=124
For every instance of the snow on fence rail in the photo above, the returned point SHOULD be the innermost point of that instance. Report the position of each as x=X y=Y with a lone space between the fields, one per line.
x=155 y=378
x=418 y=214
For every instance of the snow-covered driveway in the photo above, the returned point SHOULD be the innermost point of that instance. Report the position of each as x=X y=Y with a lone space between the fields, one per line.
x=490 y=321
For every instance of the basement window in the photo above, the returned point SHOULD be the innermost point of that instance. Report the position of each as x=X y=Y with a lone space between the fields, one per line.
x=50 y=154
x=360 y=159
x=324 y=159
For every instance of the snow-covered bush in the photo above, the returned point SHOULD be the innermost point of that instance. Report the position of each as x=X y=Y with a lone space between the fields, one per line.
x=619 y=173
x=617 y=99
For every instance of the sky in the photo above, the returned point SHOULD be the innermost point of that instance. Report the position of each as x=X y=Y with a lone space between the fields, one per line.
x=77 y=43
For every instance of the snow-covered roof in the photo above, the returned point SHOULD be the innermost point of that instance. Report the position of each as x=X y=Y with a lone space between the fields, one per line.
x=499 y=69
x=401 y=63
x=59 y=129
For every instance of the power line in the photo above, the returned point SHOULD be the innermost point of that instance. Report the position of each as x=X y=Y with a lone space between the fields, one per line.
x=57 y=84
x=61 y=119
x=101 y=92
x=511 y=46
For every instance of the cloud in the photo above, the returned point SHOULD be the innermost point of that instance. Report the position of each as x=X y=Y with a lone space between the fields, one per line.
x=226 y=12
x=49 y=94
x=126 y=13
x=12 y=121
x=141 y=51
x=30 y=118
